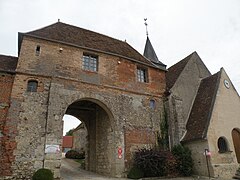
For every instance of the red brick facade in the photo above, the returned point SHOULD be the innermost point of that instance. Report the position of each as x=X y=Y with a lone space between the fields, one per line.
x=7 y=144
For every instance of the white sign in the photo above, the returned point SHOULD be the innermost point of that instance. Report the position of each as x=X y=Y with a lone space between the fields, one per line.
x=52 y=149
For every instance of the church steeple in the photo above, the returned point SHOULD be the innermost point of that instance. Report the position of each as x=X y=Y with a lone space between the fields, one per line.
x=149 y=52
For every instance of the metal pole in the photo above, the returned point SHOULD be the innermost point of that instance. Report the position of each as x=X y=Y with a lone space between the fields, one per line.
x=206 y=150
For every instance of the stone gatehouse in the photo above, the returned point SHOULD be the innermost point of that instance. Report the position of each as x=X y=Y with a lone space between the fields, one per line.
x=104 y=82
x=121 y=97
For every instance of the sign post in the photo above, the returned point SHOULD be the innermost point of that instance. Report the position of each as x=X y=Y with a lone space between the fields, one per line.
x=207 y=153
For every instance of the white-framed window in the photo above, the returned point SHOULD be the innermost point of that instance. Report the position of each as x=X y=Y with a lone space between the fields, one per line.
x=142 y=75
x=90 y=62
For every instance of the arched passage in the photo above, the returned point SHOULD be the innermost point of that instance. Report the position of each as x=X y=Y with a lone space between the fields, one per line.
x=236 y=142
x=100 y=139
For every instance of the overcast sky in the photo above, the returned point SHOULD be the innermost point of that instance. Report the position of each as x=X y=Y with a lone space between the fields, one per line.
x=176 y=27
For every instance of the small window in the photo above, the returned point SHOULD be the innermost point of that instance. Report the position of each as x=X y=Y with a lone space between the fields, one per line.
x=142 y=75
x=38 y=48
x=222 y=145
x=152 y=104
x=32 y=86
x=90 y=62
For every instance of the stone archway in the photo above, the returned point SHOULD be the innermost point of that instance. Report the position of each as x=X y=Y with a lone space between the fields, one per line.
x=100 y=139
x=236 y=142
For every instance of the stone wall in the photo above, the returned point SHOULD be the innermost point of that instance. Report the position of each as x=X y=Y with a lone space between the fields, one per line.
x=200 y=161
x=28 y=112
x=7 y=144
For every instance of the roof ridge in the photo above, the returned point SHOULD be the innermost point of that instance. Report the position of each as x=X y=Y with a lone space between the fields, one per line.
x=187 y=57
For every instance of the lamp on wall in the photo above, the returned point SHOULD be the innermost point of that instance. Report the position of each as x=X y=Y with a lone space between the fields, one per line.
x=60 y=49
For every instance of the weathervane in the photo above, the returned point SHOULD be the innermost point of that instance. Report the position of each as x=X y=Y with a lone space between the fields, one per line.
x=145 y=19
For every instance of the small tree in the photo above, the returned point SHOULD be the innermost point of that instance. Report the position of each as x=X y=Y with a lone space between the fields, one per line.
x=70 y=132
x=184 y=159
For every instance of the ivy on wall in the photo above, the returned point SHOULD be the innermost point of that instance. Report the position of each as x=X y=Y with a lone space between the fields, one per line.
x=163 y=139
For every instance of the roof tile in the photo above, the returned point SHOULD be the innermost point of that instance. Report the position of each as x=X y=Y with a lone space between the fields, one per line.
x=200 y=114
x=8 y=63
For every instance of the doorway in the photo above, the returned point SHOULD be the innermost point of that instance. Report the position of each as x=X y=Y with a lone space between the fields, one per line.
x=236 y=142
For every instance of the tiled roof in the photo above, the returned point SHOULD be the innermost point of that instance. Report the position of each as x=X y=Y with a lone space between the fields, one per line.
x=76 y=36
x=8 y=63
x=174 y=71
x=67 y=142
x=200 y=114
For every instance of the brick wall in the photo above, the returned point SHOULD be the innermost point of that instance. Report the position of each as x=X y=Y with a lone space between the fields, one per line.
x=7 y=144
x=135 y=139
x=112 y=71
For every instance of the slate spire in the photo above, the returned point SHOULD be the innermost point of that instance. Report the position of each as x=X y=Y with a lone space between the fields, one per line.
x=150 y=54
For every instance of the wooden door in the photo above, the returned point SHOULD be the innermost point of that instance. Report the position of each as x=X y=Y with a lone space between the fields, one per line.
x=236 y=142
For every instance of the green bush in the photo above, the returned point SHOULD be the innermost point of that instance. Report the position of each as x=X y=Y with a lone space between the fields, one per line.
x=43 y=174
x=135 y=173
x=72 y=154
x=184 y=159
x=155 y=163
x=81 y=162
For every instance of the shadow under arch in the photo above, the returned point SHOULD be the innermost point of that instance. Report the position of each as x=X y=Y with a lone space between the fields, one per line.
x=98 y=120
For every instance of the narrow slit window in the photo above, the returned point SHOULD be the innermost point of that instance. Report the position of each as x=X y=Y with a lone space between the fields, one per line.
x=38 y=49
x=152 y=104
x=32 y=86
